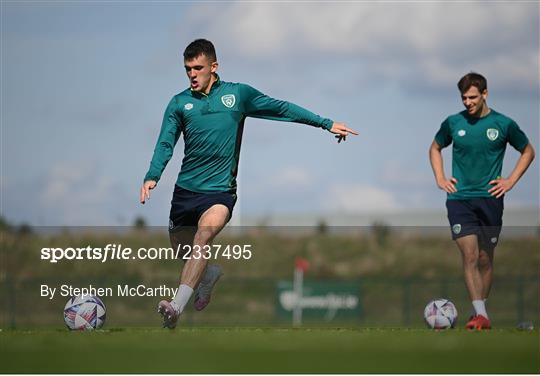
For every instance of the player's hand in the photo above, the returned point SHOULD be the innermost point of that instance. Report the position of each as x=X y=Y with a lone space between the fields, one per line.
x=145 y=190
x=448 y=185
x=341 y=131
x=500 y=187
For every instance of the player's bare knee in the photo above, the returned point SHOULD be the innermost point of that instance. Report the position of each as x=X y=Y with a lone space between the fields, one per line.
x=470 y=258
x=203 y=236
x=484 y=261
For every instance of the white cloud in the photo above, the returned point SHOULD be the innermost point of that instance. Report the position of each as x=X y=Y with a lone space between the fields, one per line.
x=353 y=198
x=292 y=177
x=397 y=173
x=77 y=194
x=422 y=44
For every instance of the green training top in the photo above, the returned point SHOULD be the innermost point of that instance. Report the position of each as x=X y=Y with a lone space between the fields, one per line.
x=212 y=126
x=478 y=150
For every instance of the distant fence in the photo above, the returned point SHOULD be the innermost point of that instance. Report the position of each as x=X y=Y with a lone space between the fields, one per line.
x=253 y=302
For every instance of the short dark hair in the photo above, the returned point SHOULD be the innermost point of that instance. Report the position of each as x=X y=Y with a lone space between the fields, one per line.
x=472 y=79
x=200 y=47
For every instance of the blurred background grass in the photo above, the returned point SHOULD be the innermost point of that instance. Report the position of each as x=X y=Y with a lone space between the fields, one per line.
x=397 y=271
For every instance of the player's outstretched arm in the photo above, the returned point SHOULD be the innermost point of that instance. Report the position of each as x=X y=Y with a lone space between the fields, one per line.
x=259 y=105
x=435 y=157
x=341 y=131
x=145 y=190
x=502 y=185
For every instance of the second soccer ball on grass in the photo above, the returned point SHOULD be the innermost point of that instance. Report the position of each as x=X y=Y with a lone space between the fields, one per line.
x=440 y=314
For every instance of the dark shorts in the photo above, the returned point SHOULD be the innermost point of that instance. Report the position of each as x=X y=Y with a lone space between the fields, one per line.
x=478 y=216
x=187 y=206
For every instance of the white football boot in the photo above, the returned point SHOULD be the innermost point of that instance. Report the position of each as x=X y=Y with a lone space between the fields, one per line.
x=169 y=313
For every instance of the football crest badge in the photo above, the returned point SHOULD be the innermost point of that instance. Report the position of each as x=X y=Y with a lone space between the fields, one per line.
x=492 y=134
x=228 y=100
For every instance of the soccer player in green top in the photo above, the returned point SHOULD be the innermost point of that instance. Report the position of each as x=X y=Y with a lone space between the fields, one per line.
x=210 y=115
x=476 y=189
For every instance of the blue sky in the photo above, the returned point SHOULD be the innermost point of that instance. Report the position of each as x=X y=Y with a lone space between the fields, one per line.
x=84 y=87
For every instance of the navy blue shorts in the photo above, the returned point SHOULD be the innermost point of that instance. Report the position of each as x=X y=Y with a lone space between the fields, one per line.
x=479 y=216
x=187 y=206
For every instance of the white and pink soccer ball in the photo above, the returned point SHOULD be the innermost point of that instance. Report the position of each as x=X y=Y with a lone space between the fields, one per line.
x=85 y=312
x=440 y=314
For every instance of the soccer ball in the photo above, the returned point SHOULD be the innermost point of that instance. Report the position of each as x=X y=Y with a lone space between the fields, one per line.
x=440 y=314
x=85 y=312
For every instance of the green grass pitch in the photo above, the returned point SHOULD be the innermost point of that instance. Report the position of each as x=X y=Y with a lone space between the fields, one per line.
x=270 y=350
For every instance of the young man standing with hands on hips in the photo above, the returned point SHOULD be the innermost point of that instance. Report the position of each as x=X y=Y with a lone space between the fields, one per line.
x=210 y=114
x=476 y=189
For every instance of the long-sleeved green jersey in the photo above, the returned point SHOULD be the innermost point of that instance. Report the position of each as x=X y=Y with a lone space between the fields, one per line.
x=212 y=126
